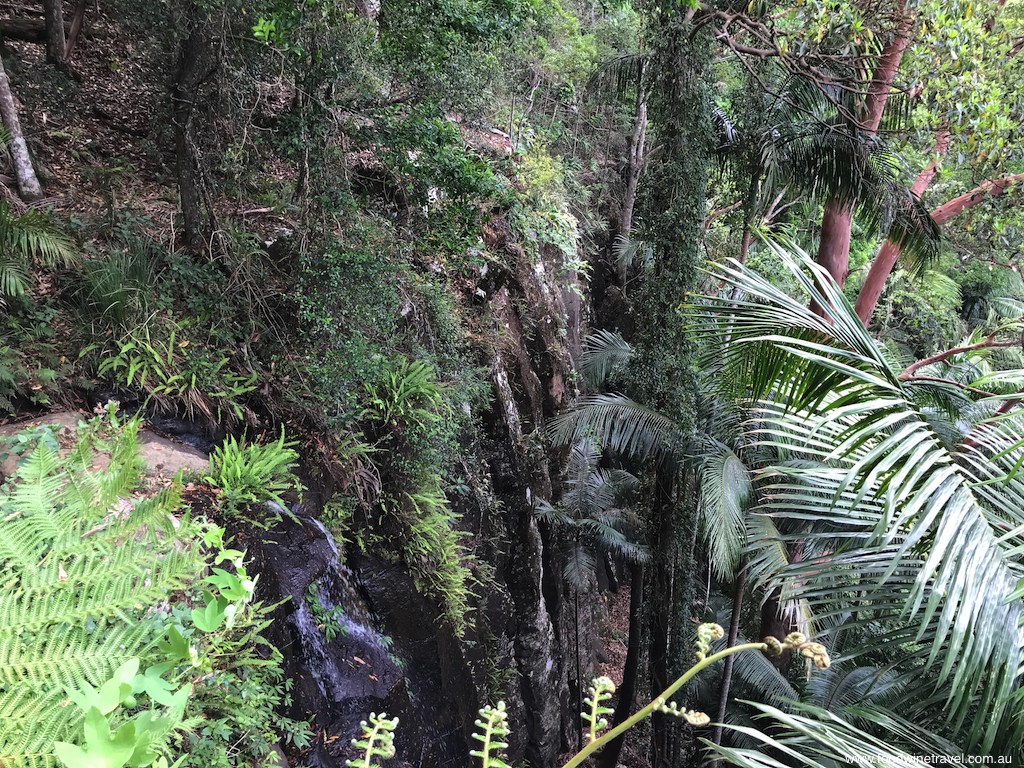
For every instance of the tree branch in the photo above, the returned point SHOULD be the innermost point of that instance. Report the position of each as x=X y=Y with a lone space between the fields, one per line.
x=936 y=379
x=989 y=343
x=719 y=212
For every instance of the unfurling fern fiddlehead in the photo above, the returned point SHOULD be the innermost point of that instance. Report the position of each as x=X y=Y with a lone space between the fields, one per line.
x=494 y=721
x=378 y=741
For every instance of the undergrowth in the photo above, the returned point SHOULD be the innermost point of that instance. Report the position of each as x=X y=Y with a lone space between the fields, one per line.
x=101 y=667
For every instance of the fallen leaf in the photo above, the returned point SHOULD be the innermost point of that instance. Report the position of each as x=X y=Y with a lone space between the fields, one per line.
x=356 y=658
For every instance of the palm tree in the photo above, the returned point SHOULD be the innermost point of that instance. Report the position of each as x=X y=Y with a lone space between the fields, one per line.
x=901 y=531
x=803 y=142
x=590 y=523
x=724 y=488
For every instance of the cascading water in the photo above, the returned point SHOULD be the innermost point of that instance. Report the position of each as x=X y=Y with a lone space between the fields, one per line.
x=343 y=667
x=335 y=626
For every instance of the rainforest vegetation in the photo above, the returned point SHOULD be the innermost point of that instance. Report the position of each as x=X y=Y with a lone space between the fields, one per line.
x=528 y=353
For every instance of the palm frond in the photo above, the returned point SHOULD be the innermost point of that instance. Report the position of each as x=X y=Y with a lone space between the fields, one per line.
x=757 y=671
x=33 y=236
x=725 y=490
x=603 y=352
x=900 y=522
x=579 y=566
x=621 y=74
x=629 y=249
x=812 y=737
x=618 y=423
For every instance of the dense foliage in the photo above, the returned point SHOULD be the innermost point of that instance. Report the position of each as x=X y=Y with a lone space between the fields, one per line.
x=539 y=298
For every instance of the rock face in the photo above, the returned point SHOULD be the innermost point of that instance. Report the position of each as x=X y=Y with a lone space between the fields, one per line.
x=529 y=641
x=358 y=637
x=388 y=653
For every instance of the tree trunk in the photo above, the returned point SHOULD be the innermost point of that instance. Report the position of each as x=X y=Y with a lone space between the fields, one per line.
x=609 y=756
x=193 y=69
x=884 y=262
x=76 y=28
x=636 y=162
x=734 y=632
x=834 y=247
x=53 y=13
x=661 y=621
x=28 y=184
x=773 y=623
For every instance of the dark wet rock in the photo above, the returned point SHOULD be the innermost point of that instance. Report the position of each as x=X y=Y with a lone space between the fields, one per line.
x=392 y=653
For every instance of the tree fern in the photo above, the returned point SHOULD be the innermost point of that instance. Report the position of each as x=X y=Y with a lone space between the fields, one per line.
x=82 y=563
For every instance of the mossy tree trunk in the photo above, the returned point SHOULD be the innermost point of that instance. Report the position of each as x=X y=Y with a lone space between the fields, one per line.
x=660 y=373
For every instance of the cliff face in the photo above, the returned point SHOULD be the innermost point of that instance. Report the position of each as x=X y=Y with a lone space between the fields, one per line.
x=529 y=639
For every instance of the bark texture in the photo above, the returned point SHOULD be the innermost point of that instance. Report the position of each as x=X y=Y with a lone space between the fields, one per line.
x=28 y=184
x=56 y=42
x=195 y=65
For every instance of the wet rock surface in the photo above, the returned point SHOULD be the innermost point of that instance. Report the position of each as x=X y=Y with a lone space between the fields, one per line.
x=390 y=653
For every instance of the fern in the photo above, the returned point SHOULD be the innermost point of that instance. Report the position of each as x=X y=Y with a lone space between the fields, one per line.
x=81 y=565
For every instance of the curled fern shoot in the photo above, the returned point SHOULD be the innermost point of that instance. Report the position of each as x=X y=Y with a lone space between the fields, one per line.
x=494 y=721
x=600 y=690
x=705 y=634
x=378 y=741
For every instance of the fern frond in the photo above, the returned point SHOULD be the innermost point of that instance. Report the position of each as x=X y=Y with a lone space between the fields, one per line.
x=78 y=576
x=30 y=723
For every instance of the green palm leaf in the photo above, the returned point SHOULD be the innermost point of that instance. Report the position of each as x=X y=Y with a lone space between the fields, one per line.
x=725 y=490
x=603 y=352
x=616 y=422
x=813 y=737
x=894 y=515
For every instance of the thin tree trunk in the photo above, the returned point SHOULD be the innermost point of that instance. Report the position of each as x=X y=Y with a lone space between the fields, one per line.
x=76 y=28
x=636 y=160
x=636 y=163
x=734 y=632
x=53 y=13
x=579 y=674
x=884 y=262
x=191 y=66
x=28 y=184
x=609 y=756
x=834 y=246
x=661 y=623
